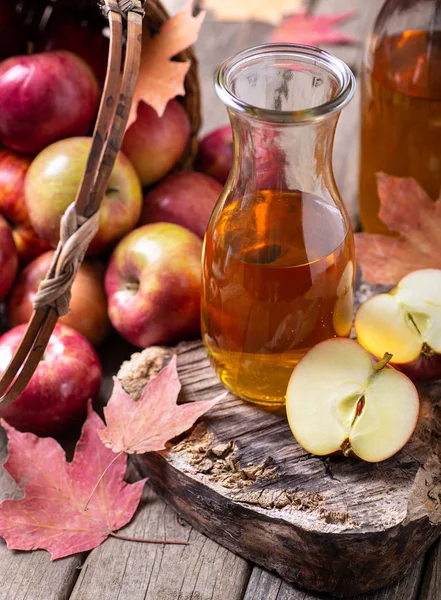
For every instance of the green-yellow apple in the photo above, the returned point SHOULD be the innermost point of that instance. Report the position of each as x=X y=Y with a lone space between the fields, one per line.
x=8 y=258
x=155 y=144
x=52 y=182
x=186 y=199
x=56 y=397
x=341 y=400
x=45 y=97
x=88 y=305
x=13 y=169
x=153 y=285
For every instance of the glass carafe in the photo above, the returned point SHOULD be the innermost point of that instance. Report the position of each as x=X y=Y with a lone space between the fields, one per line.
x=401 y=102
x=278 y=262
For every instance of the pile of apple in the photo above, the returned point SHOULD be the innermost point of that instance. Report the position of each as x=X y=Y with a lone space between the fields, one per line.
x=142 y=271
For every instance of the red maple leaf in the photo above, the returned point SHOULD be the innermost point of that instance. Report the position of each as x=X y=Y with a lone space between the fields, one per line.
x=52 y=514
x=314 y=30
x=407 y=209
x=145 y=425
x=160 y=78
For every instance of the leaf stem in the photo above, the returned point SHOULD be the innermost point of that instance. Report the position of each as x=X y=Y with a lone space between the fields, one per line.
x=101 y=478
x=133 y=539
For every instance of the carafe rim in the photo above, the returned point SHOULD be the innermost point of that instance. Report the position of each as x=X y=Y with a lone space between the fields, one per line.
x=296 y=53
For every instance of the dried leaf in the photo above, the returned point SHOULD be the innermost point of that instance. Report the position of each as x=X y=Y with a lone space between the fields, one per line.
x=147 y=424
x=407 y=209
x=52 y=513
x=160 y=78
x=314 y=30
x=268 y=11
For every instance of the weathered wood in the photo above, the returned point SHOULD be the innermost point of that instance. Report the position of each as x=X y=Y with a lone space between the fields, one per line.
x=203 y=570
x=31 y=575
x=266 y=586
x=431 y=587
x=241 y=478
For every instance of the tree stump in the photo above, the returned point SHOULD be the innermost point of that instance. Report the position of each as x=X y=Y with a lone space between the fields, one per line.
x=328 y=524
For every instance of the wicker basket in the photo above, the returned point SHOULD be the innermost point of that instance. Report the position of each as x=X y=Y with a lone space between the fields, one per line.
x=34 y=14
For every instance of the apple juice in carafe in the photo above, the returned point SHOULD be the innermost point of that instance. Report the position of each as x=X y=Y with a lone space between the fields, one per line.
x=272 y=293
x=401 y=103
x=278 y=261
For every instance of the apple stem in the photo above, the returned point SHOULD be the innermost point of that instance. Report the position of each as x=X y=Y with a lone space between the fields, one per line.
x=346 y=447
x=144 y=541
x=383 y=362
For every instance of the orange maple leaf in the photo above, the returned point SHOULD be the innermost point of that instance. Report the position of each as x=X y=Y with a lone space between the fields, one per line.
x=407 y=209
x=160 y=78
x=145 y=425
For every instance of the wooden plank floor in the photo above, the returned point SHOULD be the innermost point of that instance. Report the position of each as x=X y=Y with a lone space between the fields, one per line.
x=203 y=570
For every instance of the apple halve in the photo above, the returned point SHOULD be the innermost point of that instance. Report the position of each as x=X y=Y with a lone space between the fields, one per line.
x=339 y=400
x=407 y=323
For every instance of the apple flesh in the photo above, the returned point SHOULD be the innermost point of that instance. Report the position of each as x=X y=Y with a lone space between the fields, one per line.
x=155 y=144
x=52 y=183
x=8 y=258
x=215 y=154
x=88 y=304
x=45 y=97
x=406 y=321
x=66 y=378
x=186 y=199
x=153 y=285
x=339 y=400
x=13 y=169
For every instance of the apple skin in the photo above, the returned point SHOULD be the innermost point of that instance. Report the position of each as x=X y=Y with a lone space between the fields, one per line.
x=155 y=144
x=8 y=258
x=88 y=305
x=45 y=97
x=13 y=169
x=66 y=378
x=153 y=285
x=186 y=199
x=51 y=186
x=215 y=154
x=424 y=368
x=64 y=32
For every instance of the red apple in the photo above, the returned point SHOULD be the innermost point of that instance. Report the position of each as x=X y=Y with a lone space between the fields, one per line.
x=52 y=183
x=65 y=32
x=12 y=38
x=45 y=97
x=13 y=168
x=57 y=394
x=215 y=154
x=8 y=258
x=153 y=285
x=186 y=199
x=88 y=305
x=155 y=144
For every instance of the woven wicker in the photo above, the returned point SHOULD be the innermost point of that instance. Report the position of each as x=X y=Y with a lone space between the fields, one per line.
x=32 y=13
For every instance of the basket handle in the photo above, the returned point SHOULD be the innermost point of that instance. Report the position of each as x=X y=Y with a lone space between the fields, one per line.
x=80 y=221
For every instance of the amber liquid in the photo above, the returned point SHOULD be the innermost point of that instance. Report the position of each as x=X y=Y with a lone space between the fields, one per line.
x=277 y=279
x=401 y=118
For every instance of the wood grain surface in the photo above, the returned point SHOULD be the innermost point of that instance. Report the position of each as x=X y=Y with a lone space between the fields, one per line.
x=204 y=570
x=318 y=522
